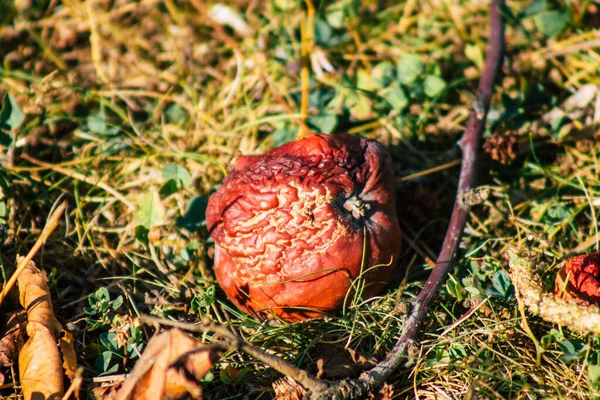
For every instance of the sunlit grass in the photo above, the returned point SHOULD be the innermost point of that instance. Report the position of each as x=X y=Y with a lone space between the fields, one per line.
x=116 y=91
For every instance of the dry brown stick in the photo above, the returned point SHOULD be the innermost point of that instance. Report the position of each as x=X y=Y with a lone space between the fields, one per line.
x=235 y=342
x=374 y=378
x=46 y=232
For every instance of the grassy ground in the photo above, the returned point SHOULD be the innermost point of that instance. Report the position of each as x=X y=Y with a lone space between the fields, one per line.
x=135 y=109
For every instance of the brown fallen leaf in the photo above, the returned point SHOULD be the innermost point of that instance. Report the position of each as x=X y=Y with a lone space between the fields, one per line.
x=156 y=377
x=67 y=349
x=40 y=362
x=40 y=365
x=12 y=338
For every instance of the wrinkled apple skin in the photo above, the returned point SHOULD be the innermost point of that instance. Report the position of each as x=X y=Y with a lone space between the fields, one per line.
x=291 y=226
x=584 y=276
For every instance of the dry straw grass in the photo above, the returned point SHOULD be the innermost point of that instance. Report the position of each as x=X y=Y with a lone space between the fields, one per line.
x=116 y=90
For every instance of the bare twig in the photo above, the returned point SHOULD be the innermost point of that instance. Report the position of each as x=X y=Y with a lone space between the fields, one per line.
x=51 y=225
x=372 y=379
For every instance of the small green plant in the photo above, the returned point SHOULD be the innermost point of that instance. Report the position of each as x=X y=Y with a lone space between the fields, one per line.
x=202 y=302
x=122 y=343
x=150 y=212
x=232 y=376
x=502 y=287
x=594 y=374
x=572 y=349
x=484 y=278
x=194 y=217
x=101 y=309
x=11 y=116
x=449 y=353
x=176 y=178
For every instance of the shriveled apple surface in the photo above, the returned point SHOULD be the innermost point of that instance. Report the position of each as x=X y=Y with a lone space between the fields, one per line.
x=304 y=228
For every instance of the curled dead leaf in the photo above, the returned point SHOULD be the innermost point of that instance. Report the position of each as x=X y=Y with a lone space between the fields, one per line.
x=67 y=349
x=12 y=338
x=162 y=372
x=40 y=363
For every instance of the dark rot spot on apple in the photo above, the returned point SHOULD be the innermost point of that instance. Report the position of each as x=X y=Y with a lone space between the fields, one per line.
x=297 y=225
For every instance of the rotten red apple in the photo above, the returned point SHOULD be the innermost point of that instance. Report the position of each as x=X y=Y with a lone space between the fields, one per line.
x=294 y=227
x=579 y=279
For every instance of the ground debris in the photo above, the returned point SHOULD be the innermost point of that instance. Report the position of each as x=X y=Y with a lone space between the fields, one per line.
x=12 y=340
x=336 y=361
x=161 y=372
x=385 y=393
x=549 y=306
x=40 y=360
x=288 y=389
x=502 y=147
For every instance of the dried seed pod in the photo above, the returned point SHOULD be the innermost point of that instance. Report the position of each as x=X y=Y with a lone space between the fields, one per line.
x=579 y=279
x=295 y=226
x=575 y=315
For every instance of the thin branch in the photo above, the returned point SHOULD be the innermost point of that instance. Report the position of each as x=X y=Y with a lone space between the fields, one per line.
x=51 y=225
x=232 y=341
x=374 y=378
